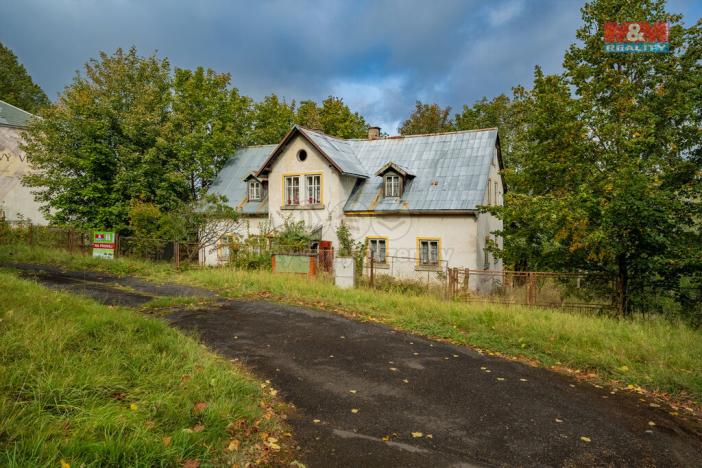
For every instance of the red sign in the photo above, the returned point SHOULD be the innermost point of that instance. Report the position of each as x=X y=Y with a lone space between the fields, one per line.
x=635 y=31
x=103 y=245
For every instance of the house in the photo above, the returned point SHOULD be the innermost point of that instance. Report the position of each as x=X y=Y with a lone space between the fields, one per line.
x=16 y=200
x=414 y=200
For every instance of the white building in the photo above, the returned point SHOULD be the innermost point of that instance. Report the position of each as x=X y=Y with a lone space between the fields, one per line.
x=413 y=199
x=16 y=200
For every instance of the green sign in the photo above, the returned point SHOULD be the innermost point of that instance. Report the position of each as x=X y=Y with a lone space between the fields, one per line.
x=292 y=264
x=104 y=244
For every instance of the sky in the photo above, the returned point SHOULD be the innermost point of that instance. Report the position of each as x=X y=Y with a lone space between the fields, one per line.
x=380 y=56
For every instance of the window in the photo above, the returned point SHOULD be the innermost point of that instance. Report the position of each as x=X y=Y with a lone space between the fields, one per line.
x=254 y=190
x=314 y=188
x=225 y=246
x=378 y=248
x=429 y=252
x=392 y=185
x=301 y=155
x=292 y=190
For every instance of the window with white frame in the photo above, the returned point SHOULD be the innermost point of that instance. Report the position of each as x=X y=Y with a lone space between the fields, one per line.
x=377 y=247
x=254 y=190
x=225 y=246
x=429 y=252
x=313 y=183
x=292 y=190
x=392 y=185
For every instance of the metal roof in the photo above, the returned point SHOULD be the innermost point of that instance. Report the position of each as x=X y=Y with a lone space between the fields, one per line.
x=13 y=116
x=230 y=180
x=450 y=169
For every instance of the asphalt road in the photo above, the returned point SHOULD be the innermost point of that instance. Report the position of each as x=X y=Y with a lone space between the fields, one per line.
x=366 y=395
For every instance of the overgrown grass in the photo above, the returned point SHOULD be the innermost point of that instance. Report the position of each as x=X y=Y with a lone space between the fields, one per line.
x=656 y=354
x=100 y=386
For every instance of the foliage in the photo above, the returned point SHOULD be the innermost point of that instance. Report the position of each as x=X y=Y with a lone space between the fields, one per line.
x=271 y=120
x=606 y=177
x=427 y=118
x=338 y=120
x=125 y=130
x=16 y=86
x=307 y=115
x=208 y=122
x=294 y=235
x=103 y=386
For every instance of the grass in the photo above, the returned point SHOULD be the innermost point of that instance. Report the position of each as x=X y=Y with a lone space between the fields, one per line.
x=652 y=353
x=92 y=385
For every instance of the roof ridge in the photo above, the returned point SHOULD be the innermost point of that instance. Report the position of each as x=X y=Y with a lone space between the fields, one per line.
x=18 y=108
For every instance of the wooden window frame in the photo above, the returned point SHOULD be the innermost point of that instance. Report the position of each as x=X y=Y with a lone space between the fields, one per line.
x=386 y=184
x=256 y=187
x=385 y=240
x=428 y=240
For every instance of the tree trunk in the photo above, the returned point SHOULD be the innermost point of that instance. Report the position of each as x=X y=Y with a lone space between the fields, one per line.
x=622 y=286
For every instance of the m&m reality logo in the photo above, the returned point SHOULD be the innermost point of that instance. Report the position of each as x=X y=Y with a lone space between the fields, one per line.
x=636 y=37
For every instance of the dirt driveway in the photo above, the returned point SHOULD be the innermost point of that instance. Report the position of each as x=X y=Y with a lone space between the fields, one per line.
x=370 y=396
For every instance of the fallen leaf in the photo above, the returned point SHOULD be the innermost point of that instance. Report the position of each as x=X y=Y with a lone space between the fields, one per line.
x=65 y=464
x=352 y=391
x=185 y=378
x=167 y=440
x=455 y=355
x=559 y=420
x=500 y=379
x=199 y=407
x=316 y=421
x=274 y=392
x=405 y=380
x=623 y=369
x=274 y=446
x=354 y=410
x=386 y=438
x=483 y=368
x=199 y=427
x=150 y=424
x=651 y=423
x=133 y=407
x=585 y=439
x=523 y=380
x=191 y=464
x=394 y=369
x=417 y=435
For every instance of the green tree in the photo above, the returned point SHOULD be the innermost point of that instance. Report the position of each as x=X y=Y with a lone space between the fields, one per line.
x=308 y=116
x=337 y=119
x=272 y=118
x=16 y=86
x=207 y=123
x=96 y=149
x=427 y=118
x=610 y=180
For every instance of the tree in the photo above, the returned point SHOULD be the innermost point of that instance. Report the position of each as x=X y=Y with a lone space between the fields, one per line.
x=16 y=86
x=100 y=145
x=207 y=123
x=272 y=119
x=337 y=119
x=610 y=179
x=427 y=118
x=307 y=115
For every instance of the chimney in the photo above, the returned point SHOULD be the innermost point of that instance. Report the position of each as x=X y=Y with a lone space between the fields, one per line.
x=373 y=133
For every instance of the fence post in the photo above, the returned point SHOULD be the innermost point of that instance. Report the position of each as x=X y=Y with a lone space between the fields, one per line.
x=31 y=235
x=371 y=268
x=531 y=289
x=176 y=252
x=466 y=284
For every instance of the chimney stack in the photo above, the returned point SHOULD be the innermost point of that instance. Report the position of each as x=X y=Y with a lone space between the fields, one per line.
x=373 y=133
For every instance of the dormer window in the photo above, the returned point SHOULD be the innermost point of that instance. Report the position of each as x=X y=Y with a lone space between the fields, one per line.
x=254 y=190
x=395 y=179
x=392 y=185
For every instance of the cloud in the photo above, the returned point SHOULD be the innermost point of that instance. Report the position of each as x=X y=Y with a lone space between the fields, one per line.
x=379 y=55
x=505 y=12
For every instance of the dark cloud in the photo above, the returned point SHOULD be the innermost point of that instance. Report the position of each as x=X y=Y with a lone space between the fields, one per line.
x=380 y=56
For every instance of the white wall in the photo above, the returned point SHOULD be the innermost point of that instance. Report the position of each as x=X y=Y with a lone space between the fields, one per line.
x=335 y=190
x=457 y=236
x=15 y=198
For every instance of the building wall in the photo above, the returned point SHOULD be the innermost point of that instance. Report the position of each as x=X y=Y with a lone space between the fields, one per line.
x=456 y=235
x=16 y=200
x=335 y=191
